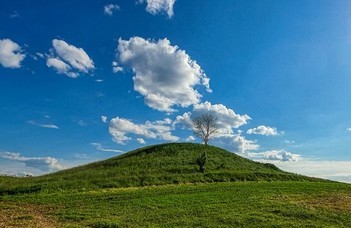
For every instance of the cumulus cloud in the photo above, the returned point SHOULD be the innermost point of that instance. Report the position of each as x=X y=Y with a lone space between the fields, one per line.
x=243 y=145
x=263 y=130
x=110 y=9
x=11 y=54
x=164 y=74
x=99 y=146
x=51 y=126
x=119 y=128
x=68 y=59
x=227 y=119
x=276 y=155
x=237 y=143
x=159 y=6
x=42 y=163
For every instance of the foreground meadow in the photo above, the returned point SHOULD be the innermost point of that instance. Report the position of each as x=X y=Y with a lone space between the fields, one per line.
x=239 y=204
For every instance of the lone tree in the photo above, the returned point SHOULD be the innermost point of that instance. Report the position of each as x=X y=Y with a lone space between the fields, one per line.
x=205 y=126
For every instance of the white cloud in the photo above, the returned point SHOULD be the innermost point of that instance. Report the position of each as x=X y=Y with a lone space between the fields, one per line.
x=68 y=59
x=164 y=74
x=159 y=6
x=98 y=146
x=275 y=155
x=52 y=126
x=119 y=129
x=348 y=129
x=238 y=143
x=61 y=67
x=41 y=55
x=40 y=163
x=104 y=119
x=190 y=138
x=332 y=170
x=116 y=68
x=11 y=54
x=110 y=9
x=227 y=119
x=141 y=140
x=263 y=130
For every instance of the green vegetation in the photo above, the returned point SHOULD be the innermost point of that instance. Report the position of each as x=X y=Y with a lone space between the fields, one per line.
x=163 y=185
x=172 y=163
x=201 y=162
x=235 y=204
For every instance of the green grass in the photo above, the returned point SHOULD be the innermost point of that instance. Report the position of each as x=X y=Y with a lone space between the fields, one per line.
x=239 y=204
x=162 y=186
x=173 y=163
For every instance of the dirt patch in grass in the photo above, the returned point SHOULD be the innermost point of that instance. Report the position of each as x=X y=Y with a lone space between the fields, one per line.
x=24 y=215
x=337 y=203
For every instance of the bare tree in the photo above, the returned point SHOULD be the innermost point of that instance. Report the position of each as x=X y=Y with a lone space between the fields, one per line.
x=205 y=127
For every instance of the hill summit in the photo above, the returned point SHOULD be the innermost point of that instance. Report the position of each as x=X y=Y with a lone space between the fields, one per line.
x=170 y=163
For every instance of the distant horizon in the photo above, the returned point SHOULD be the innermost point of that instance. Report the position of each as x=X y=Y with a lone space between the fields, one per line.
x=86 y=81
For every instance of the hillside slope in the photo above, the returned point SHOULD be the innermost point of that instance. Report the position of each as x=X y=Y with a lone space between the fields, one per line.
x=153 y=165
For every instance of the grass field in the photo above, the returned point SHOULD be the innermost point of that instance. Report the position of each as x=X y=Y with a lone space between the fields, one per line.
x=236 y=204
x=163 y=186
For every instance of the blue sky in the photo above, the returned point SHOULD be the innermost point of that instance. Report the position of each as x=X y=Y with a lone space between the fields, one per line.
x=86 y=80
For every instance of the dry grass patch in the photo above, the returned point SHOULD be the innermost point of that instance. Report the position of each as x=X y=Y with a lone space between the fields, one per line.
x=24 y=215
x=337 y=202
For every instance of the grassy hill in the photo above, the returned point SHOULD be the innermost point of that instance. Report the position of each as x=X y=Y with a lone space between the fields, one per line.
x=162 y=164
x=161 y=186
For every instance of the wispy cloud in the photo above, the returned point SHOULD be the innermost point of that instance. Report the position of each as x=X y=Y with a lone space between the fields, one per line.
x=82 y=123
x=98 y=146
x=332 y=170
x=110 y=9
x=51 y=126
x=15 y=14
x=81 y=156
